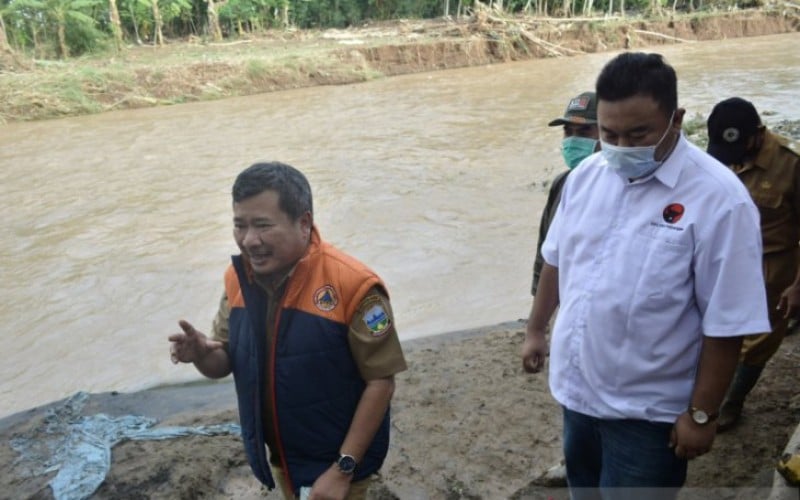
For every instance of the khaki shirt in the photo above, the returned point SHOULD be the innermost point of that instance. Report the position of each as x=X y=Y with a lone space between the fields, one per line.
x=773 y=180
x=376 y=350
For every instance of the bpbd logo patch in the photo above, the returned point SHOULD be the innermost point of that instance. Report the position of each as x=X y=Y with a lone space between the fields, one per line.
x=325 y=298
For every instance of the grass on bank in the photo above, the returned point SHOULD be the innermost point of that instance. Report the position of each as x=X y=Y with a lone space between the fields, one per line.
x=143 y=77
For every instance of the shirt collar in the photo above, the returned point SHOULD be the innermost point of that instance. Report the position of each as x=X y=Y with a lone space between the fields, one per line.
x=767 y=152
x=668 y=172
x=273 y=286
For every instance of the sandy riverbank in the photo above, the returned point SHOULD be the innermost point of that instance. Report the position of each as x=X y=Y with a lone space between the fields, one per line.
x=468 y=423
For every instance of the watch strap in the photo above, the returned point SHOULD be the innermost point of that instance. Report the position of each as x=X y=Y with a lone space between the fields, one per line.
x=710 y=415
x=346 y=464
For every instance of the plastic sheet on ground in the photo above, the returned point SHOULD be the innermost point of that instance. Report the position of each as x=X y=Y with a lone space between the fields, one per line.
x=79 y=447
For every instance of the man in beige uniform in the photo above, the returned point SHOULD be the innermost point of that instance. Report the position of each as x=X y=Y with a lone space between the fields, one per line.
x=771 y=172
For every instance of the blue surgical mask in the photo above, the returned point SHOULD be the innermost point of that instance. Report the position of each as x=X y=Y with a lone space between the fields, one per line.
x=634 y=162
x=574 y=149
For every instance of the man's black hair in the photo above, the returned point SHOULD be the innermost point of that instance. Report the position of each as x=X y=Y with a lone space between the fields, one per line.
x=294 y=191
x=637 y=73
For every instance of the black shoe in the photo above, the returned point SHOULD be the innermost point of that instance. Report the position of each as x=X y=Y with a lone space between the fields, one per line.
x=729 y=416
x=793 y=327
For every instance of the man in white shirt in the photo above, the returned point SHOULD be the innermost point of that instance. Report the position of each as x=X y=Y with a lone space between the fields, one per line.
x=654 y=259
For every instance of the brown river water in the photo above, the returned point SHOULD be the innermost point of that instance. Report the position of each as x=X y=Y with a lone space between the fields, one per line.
x=119 y=224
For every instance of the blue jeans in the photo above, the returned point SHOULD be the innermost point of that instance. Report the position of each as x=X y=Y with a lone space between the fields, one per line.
x=620 y=459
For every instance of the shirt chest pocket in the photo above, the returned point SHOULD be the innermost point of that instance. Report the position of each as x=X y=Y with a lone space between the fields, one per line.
x=663 y=265
x=767 y=199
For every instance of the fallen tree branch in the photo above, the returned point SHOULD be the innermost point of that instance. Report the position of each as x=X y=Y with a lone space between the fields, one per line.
x=541 y=43
x=661 y=35
x=226 y=44
x=550 y=47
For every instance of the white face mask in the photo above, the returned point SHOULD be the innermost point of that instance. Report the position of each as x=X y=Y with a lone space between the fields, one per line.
x=634 y=162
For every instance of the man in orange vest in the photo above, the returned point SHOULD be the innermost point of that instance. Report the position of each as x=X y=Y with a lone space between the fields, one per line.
x=308 y=333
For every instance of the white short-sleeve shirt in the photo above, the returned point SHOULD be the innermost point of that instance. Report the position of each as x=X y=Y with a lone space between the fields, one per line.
x=646 y=268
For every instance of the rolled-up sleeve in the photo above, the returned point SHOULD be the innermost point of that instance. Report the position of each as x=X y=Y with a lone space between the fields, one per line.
x=373 y=338
x=219 y=327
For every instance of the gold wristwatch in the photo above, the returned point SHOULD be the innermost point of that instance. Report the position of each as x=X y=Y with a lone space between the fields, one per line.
x=702 y=417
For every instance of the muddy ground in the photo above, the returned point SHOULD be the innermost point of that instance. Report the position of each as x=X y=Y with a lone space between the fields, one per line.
x=467 y=424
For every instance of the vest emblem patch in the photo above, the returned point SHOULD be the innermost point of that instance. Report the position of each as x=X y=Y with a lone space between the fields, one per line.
x=377 y=320
x=325 y=298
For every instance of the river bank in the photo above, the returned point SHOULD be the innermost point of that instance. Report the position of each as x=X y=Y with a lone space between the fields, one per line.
x=468 y=423
x=188 y=71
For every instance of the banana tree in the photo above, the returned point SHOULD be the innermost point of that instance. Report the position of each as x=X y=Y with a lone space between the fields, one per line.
x=158 y=24
x=116 y=25
x=70 y=20
x=4 y=45
x=213 y=21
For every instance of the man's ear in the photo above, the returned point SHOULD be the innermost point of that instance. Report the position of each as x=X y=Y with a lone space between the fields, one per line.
x=306 y=222
x=758 y=138
x=677 y=122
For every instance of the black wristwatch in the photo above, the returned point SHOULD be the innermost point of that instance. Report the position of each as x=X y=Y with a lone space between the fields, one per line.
x=346 y=463
x=702 y=417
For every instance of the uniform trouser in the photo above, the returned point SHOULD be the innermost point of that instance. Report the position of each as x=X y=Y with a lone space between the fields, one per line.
x=358 y=489
x=779 y=272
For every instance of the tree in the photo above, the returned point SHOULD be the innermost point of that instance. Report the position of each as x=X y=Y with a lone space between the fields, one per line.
x=70 y=21
x=213 y=22
x=132 y=16
x=5 y=47
x=158 y=23
x=285 y=14
x=116 y=25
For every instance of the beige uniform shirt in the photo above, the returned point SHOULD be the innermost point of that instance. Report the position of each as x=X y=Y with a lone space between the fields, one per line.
x=773 y=180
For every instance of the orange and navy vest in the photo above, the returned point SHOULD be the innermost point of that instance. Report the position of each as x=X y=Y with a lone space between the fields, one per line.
x=314 y=380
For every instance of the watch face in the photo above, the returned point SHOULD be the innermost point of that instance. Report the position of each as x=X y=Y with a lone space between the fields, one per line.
x=347 y=464
x=700 y=416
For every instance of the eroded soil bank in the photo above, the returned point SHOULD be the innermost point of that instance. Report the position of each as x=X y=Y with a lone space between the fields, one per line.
x=142 y=76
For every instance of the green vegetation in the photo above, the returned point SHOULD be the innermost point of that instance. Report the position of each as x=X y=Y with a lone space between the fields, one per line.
x=50 y=29
x=694 y=127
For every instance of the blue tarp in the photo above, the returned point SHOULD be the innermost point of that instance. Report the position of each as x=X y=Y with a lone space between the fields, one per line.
x=79 y=447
